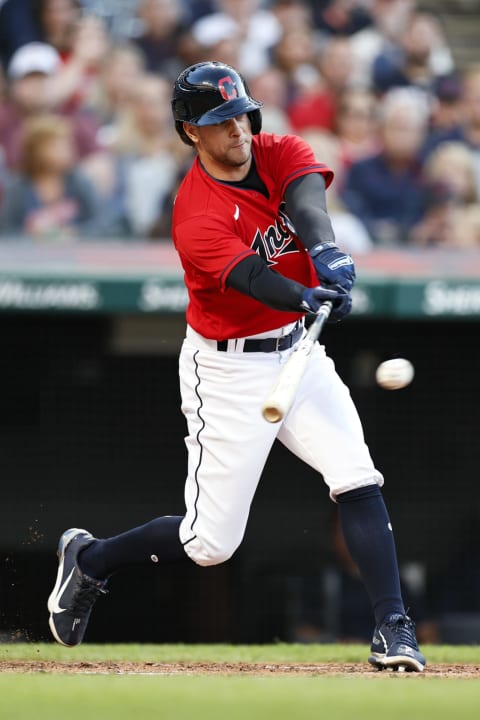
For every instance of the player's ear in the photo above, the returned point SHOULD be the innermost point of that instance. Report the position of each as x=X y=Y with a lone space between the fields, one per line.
x=190 y=131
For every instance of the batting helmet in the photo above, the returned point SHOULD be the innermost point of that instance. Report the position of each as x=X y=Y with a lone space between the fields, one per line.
x=209 y=93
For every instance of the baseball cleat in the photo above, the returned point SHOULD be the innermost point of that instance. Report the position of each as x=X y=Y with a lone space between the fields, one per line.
x=74 y=594
x=394 y=646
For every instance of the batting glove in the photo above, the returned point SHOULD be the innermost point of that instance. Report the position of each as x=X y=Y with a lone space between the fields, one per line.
x=333 y=267
x=341 y=306
x=312 y=298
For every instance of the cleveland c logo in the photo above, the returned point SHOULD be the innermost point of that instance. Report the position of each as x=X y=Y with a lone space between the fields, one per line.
x=227 y=88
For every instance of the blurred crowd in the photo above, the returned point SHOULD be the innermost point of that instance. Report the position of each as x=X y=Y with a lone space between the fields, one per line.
x=87 y=143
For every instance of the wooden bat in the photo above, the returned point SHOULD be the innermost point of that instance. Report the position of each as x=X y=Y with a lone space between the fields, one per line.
x=280 y=397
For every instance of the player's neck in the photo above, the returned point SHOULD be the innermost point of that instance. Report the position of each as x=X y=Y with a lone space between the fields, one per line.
x=223 y=172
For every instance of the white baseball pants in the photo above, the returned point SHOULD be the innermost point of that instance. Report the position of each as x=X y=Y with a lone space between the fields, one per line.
x=228 y=440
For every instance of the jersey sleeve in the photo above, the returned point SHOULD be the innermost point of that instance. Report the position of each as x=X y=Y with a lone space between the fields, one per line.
x=291 y=158
x=210 y=248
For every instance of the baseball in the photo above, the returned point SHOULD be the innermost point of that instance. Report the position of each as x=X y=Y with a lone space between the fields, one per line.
x=395 y=374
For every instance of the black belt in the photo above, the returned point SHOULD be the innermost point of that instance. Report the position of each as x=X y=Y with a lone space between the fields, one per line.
x=267 y=345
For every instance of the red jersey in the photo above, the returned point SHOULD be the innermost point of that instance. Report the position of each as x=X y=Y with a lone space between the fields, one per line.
x=217 y=224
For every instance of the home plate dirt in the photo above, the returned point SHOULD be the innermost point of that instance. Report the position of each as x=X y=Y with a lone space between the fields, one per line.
x=258 y=669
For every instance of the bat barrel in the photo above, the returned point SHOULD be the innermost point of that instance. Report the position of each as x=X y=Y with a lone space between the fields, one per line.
x=282 y=394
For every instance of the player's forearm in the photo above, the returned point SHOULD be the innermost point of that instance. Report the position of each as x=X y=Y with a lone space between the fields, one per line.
x=253 y=277
x=306 y=206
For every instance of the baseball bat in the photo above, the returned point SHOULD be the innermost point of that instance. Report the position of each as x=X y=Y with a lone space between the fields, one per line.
x=280 y=398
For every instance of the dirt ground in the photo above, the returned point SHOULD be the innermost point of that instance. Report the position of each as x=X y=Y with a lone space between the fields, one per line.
x=258 y=669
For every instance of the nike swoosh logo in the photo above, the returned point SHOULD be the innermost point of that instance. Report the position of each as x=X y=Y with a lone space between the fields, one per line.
x=236 y=214
x=55 y=606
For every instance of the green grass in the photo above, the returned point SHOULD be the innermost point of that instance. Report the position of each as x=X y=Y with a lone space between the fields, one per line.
x=281 y=652
x=234 y=698
x=45 y=696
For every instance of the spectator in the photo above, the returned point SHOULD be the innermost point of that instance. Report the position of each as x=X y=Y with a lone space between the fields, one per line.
x=223 y=43
x=292 y=14
x=270 y=86
x=383 y=190
x=468 y=130
x=54 y=22
x=148 y=148
x=29 y=72
x=295 y=56
x=340 y=17
x=356 y=125
x=163 y=26
x=390 y=17
x=120 y=71
x=445 y=223
x=452 y=164
x=467 y=231
x=316 y=104
x=57 y=20
x=451 y=199
x=446 y=107
x=336 y=64
x=81 y=43
x=350 y=233
x=421 y=55
x=50 y=199
x=257 y=28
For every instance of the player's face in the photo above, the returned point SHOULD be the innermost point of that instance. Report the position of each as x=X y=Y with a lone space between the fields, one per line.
x=224 y=149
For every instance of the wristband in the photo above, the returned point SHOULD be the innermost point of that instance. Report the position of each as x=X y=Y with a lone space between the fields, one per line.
x=320 y=247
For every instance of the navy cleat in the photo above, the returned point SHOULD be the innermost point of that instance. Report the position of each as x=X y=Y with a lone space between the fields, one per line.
x=72 y=599
x=395 y=646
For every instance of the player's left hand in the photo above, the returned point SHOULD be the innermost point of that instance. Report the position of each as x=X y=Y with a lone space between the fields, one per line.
x=333 y=267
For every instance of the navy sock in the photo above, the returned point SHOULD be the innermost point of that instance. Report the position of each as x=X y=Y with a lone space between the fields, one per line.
x=368 y=533
x=157 y=541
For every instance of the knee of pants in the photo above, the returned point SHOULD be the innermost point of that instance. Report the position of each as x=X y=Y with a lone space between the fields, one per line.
x=207 y=553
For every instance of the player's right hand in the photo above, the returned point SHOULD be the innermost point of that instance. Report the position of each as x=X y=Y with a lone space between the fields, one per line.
x=312 y=298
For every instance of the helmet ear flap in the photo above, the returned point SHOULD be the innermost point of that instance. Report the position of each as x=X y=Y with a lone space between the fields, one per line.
x=255 y=118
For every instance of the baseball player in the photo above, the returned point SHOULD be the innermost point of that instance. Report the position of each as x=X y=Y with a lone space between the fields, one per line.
x=251 y=228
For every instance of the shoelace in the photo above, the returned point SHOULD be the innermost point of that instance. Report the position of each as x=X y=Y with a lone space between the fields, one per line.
x=86 y=596
x=404 y=629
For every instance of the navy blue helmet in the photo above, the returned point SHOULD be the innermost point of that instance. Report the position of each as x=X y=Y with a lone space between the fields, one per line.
x=211 y=92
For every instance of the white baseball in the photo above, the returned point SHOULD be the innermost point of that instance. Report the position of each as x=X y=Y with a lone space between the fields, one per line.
x=395 y=374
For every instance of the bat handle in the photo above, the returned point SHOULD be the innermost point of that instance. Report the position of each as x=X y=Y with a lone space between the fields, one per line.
x=322 y=316
x=325 y=309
